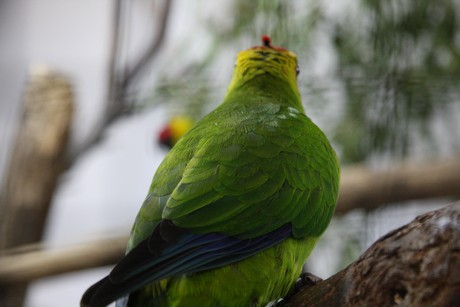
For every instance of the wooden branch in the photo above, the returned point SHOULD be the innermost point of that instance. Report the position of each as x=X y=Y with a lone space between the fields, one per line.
x=33 y=265
x=366 y=189
x=415 y=265
x=36 y=163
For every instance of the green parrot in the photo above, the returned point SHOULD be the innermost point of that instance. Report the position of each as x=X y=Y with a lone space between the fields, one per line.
x=237 y=205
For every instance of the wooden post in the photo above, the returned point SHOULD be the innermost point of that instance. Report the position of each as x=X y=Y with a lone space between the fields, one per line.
x=37 y=160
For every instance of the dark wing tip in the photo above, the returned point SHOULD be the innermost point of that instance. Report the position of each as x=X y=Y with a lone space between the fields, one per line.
x=89 y=298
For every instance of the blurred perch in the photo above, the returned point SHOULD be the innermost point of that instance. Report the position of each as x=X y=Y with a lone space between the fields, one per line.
x=362 y=188
x=415 y=265
x=17 y=268
x=37 y=157
x=359 y=188
x=35 y=165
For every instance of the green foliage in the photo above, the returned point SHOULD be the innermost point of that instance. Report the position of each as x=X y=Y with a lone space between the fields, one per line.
x=397 y=70
x=394 y=66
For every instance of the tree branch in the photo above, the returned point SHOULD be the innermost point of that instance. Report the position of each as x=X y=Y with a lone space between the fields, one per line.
x=18 y=268
x=415 y=265
x=152 y=50
x=362 y=188
x=121 y=79
x=115 y=49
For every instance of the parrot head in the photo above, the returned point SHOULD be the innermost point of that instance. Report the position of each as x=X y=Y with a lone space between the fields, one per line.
x=174 y=129
x=278 y=62
x=265 y=59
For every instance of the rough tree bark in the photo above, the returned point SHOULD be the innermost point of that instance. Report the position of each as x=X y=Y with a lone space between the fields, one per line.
x=36 y=163
x=415 y=265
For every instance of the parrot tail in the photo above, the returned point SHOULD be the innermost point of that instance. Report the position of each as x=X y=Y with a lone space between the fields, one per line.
x=173 y=251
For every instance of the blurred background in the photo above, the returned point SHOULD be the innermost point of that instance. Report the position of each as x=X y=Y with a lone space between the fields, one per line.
x=381 y=78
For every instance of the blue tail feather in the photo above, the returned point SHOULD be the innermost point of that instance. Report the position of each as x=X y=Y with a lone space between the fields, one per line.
x=172 y=251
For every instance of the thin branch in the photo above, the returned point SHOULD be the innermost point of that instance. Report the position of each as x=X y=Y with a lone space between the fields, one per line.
x=121 y=81
x=152 y=50
x=114 y=75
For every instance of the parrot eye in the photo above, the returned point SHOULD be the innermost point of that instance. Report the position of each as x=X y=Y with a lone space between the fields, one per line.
x=297 y=70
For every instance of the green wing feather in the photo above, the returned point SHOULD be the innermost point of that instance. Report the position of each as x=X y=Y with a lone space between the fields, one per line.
x=232 y=183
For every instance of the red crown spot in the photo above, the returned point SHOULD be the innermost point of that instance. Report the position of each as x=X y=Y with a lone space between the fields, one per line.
x=267 y=43
x=165 y=134
x=266 y=40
